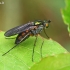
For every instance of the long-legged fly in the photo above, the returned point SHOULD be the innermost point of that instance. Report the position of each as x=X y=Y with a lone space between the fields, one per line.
x=27 y=30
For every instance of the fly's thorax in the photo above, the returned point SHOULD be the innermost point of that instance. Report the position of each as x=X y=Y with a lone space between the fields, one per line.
x=38 y=30
x=46 y=23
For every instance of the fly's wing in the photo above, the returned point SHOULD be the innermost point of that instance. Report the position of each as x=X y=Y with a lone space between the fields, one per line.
x=18 y=29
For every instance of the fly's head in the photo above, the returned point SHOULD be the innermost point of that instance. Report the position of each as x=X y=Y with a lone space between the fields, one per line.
x=46 y=23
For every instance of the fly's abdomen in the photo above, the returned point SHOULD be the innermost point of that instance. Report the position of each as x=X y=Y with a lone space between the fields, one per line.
x=22 y=37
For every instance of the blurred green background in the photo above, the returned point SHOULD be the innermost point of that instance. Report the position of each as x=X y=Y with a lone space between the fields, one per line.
x=17 y=12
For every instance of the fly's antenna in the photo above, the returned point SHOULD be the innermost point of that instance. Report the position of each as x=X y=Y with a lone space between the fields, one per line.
x=45 y=33
x=9 y=50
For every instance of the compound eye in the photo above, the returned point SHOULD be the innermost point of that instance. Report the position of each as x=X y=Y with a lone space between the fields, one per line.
x=46 y=25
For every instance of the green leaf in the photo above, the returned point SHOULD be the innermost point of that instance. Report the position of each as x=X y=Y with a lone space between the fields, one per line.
x=66 y=14
x=55 y=62
x=20 y=58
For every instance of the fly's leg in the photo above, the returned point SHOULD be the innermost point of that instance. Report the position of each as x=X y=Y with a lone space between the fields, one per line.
x=41 y=46
x=46 y=34
x=9 y=50
x=34 y=48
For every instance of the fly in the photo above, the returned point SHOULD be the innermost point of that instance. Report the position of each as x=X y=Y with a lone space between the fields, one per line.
x=27 y=30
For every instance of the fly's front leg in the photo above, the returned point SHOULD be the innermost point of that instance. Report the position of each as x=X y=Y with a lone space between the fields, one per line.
x=46 y=34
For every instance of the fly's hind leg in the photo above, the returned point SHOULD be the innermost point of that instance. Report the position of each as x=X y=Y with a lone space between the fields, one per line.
x=9 y=50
